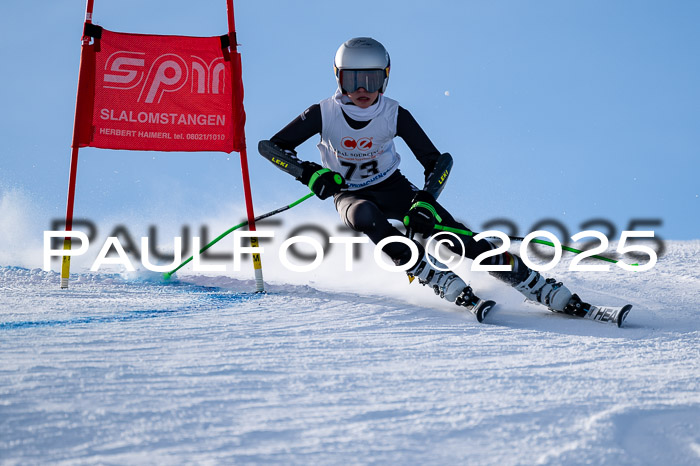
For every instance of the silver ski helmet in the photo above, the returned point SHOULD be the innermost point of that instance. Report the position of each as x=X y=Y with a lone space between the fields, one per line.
x=362 y=62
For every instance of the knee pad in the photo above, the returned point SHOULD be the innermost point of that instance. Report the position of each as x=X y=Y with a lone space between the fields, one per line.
x=363 y=216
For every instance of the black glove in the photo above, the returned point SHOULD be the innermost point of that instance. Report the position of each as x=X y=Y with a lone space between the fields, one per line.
x=421 y=217
x=322 y=181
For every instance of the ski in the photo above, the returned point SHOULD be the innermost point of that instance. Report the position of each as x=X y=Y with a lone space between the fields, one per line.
x=477 y=306
x=606 y=314
x=482 y=308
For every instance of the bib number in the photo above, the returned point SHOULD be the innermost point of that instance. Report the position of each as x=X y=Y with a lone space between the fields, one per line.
x=368 y=169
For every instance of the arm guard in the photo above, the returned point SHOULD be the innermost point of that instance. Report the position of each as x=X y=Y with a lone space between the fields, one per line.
x=285 y=161
x=436 y=179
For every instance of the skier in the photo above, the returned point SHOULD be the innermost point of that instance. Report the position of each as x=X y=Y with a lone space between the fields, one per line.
x=360 y=170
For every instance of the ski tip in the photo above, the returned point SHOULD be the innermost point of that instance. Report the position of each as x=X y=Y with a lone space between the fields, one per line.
x=483 y=310
x=622 y=315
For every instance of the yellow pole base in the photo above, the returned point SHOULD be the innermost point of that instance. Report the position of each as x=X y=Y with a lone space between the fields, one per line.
x=65 y=264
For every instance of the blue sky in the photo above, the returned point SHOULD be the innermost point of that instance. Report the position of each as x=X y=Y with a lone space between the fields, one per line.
x=570 y=111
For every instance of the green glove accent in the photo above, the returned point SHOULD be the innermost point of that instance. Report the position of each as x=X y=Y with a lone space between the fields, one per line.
x=317 y=174
x=337 y=177
x=426 y=206
x=326 y=183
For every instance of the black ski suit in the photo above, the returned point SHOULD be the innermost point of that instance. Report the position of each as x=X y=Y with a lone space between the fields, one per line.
x=369 y=209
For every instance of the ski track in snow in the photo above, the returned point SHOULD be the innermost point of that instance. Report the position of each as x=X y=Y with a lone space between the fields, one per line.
x=199 y=370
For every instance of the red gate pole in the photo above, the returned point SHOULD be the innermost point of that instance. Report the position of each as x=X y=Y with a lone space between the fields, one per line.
x=65 y=264
x=257 y=263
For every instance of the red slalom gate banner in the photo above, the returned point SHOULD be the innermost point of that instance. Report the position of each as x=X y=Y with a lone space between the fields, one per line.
x=164 y=93
x=161 y=93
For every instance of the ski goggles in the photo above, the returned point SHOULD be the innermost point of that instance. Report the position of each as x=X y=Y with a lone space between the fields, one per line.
x=369 y=80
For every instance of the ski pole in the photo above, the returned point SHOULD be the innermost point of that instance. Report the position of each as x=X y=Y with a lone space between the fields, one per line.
x=517 y=238
x=167 y=275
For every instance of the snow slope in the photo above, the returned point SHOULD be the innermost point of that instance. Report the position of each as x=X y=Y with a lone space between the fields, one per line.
x=128 y=369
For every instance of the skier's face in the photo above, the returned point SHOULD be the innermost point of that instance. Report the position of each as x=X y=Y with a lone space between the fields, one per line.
x=362 y=98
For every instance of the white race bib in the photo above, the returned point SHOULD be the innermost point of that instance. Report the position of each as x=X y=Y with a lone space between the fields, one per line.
x=363 y=156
